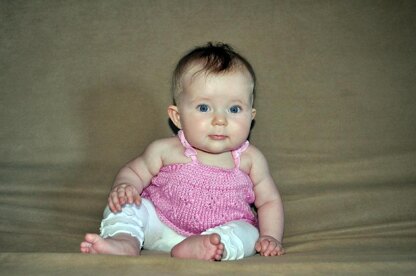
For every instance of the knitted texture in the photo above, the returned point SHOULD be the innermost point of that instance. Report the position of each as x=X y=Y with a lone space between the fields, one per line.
x=192 y=198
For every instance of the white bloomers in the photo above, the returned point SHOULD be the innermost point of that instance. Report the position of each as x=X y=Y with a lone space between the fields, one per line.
x=142 y=222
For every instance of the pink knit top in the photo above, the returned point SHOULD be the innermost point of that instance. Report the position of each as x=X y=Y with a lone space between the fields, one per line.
x=193 y=197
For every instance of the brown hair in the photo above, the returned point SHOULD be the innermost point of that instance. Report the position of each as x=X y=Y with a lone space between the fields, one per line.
x=214 y=58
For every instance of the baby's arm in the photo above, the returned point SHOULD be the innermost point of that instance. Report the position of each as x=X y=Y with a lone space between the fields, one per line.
x=135 y=176
x=269 y=207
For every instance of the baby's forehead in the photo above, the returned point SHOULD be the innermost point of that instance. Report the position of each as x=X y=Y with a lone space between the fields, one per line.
x=198 y=82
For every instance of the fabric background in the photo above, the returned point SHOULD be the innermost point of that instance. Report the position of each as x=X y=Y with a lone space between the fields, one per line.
x=85 y=87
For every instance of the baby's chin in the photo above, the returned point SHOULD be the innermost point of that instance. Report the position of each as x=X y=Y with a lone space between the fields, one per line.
x=217 y=149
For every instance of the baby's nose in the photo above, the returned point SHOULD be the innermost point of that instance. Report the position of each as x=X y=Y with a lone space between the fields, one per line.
x=219 y=120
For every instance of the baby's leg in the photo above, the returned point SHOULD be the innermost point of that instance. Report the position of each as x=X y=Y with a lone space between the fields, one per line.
x=121 y=244
x=239 y=239
x=121 y=233
x=203 y=247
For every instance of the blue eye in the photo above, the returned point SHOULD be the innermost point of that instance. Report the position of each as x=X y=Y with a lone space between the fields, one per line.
x=203 y=108
x=235 y=109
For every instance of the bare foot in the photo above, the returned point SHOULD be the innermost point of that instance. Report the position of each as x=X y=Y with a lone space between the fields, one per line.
x=202 y=247
x=122 y=244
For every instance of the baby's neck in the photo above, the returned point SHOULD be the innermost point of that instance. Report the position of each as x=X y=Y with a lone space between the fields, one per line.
x=222 y=160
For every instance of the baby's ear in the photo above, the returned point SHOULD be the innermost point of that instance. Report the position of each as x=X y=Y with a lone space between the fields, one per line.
x=174 y=115
x=253 y=113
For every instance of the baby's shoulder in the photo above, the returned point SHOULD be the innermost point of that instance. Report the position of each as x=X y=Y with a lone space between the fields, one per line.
x=253 y=158
x=170 y=150
x=252 y=152
x=164 y=144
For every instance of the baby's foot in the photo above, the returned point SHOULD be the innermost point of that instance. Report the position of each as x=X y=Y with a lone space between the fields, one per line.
x=118 y=245
x=203 y=247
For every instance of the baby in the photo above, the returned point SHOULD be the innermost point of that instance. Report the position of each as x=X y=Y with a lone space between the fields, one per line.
x=191 y=195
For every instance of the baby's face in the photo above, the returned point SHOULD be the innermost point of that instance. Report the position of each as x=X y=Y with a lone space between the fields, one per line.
x=216 y=109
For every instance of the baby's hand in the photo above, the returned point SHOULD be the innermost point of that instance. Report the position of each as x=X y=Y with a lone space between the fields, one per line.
x=269 y=246
x=121 y=195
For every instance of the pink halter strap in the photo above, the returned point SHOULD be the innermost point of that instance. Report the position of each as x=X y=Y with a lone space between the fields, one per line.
x=237 y=153
x=192 y=153
x=189 y=150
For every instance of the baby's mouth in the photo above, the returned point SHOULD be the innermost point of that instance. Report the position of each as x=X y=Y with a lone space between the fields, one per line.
x=217 y=137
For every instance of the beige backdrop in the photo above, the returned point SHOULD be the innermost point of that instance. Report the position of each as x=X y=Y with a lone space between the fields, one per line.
x=85 y=86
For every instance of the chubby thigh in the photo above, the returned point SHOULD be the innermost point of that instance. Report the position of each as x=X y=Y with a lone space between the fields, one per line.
x=142 y=223
x=158 y=236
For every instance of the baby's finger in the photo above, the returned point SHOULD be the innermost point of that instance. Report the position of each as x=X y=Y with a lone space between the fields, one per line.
x=133 y=195
x=115 y=201
x=129 y=192
x=260 y=246
x=263 y=244
x=137 y=199
x=270 y=250
x=121 y=193
x=269 y=247
x=280 y=251
x=266 y=248
x=114 y=208
x=274 y=252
